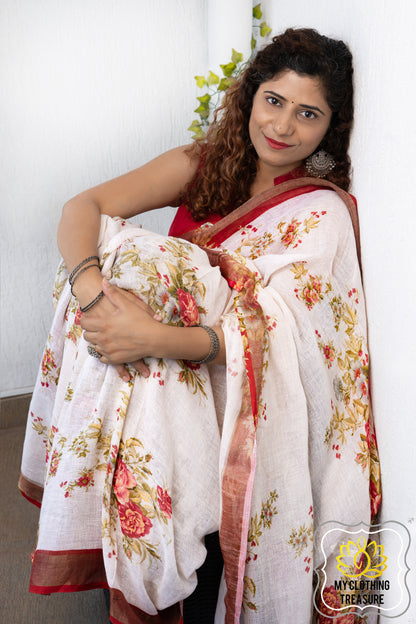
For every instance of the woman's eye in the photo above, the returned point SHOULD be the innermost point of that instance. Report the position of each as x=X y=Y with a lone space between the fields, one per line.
x=272 y=100
x=308 y=114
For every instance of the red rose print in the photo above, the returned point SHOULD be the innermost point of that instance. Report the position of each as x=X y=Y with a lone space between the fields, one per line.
x=192 y=365
x=124 y=481
x=188 y=308
x=312 y=292
x=329 y=353
x=367 y=433
x=133 y=522
x=77 y=319
x=328 y=604
x=291 y=233
x=54 y=463
x=317 y=286
x=164 y=501
x=47 y=362
x=86 y=480
x=375 y=498
x=288 y=238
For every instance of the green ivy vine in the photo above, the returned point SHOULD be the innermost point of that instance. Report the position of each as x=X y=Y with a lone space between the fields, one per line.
x=215 y=86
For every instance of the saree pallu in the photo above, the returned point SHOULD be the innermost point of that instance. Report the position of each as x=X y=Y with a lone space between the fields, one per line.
x=269 y=446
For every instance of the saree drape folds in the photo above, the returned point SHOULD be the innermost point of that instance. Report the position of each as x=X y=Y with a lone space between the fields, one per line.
x=265 y=448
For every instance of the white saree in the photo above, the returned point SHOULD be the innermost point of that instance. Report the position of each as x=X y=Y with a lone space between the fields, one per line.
x=131 y=476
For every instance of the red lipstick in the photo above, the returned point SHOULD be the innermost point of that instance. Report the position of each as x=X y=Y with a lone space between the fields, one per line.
x=276 y=144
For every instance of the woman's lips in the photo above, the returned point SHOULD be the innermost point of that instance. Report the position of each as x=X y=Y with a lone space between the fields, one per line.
x=276 y=144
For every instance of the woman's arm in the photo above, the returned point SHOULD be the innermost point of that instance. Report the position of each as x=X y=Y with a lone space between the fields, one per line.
x=154 y=185
x=129 y=333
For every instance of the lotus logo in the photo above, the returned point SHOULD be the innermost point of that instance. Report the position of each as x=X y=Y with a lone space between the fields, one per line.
x=368 y=560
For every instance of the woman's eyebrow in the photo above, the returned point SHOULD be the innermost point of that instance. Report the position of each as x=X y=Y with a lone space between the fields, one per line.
x=315 y=108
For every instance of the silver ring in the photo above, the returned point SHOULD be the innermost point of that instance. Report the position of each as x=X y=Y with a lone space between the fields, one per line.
x=92 y=351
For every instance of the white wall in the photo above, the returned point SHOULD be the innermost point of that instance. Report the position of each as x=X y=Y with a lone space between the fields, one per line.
x=96 y=87
x=229 y=26
x=90 y=89
x=381 y=36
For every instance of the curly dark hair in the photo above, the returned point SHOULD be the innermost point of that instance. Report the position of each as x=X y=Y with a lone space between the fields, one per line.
x=227 y=154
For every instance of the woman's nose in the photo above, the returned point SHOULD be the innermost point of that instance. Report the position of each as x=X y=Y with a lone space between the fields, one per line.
x=283 y=124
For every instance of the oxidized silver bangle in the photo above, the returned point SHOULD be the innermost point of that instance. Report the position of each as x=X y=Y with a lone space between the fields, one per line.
x=215 y=345
x=92 y=303
x=79 y=273
x=81 y=264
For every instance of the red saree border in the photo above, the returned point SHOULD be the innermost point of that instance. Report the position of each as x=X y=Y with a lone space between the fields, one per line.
x=240 y=466
x=245 y=219
x=236 y=498
x=67 y=571
x=65 y=589
x=31 y=491
x=248 y=362
x=246 y=523
x=121 y=612
x=271 y=197
x=55 y=571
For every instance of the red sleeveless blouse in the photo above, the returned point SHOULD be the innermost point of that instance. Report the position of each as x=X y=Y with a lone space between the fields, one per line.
x=184 y=221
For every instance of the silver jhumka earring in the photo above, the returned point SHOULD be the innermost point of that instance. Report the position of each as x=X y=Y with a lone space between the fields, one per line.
x=319 y=164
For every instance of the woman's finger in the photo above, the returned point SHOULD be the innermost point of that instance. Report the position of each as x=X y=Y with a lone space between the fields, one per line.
x=141 y=368
x=139 y=365
x=122 y=371
x=91 y=336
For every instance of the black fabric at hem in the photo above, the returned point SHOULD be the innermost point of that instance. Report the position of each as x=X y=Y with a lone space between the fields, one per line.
x=200 y=606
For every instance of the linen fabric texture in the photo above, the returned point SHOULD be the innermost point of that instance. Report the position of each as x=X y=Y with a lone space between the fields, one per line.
x=132 y=476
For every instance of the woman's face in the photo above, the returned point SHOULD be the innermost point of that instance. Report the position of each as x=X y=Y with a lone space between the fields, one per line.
x=289 y=119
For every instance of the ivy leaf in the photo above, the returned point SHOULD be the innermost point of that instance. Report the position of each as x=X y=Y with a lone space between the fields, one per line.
x=228 y=69
x=253 y=42
x=204 y=99
x=196 y=128
x=264 y=29
x=200 y=81
x=225 y=83
x=203 y=111
x=212 y=78
x=257 y=12
x=236 y=57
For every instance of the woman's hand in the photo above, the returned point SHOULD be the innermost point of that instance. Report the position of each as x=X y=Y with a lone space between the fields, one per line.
x=124 y=330
x=112 y=325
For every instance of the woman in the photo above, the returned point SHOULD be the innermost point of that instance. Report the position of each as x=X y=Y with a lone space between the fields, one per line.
x=277 y=429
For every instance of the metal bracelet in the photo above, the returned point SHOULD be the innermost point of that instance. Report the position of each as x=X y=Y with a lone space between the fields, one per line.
x=81 y=264
x=92 y=303
x=79 y=273
x=215 y=346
